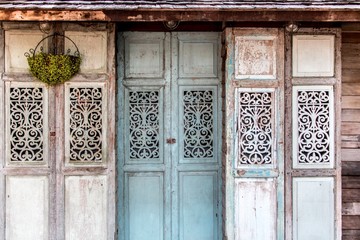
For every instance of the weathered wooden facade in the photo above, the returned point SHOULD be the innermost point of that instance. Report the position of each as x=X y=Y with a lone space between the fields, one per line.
x=188 y=120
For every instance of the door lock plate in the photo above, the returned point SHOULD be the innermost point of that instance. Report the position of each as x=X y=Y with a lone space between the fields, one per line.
x=170 y=140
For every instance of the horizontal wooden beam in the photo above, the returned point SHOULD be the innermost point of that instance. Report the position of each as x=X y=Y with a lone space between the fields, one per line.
x=178 y=15
x=55 y=15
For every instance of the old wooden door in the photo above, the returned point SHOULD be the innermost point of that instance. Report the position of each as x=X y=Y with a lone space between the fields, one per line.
x=57 y=164
x=169 y=132
x=282 y=134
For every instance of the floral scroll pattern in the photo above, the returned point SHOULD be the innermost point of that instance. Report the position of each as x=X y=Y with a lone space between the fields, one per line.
x=198 y=107
x=86 y=124
x=255 y=128
x=313 y=126
x=144 y=124
x=26 y=124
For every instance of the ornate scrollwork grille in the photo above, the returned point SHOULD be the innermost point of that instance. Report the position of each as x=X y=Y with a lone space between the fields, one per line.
x=144 y=124
x=313 y=126
x=26 y=124
x=255 y=128
x=86 y=124
x=198 y=107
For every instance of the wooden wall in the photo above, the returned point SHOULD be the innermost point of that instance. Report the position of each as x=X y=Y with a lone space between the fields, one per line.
x=351 y=132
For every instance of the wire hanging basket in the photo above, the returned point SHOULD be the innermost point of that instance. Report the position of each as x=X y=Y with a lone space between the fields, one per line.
x=53 y=67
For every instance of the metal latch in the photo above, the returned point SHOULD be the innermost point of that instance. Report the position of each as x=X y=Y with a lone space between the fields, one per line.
x=170 y=140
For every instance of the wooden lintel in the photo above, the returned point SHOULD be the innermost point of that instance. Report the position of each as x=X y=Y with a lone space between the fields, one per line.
x=53 y=15
x=166 y=15
x=236 y=16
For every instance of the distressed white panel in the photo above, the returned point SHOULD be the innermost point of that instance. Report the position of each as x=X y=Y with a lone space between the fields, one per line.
x=92 y=47
x=255 y=209
x=27 y=207
x=313 y=208
x=144 y=56
x=255 y=57
x=27 y=130
x=198 y=205
x=198 y=59
x=144 y=206
x=17 y=43
x=85 y=123
x=256 y=142
x=86 y=207
x=313 y=55
x=313 y=127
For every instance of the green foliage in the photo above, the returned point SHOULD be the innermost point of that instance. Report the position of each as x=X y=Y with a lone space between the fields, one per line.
x=53 y=69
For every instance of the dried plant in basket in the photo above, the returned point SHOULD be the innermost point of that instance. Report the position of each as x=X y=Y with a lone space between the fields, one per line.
x=52 y=68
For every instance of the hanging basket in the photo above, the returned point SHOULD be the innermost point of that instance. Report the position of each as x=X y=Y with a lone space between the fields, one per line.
x=53 y=68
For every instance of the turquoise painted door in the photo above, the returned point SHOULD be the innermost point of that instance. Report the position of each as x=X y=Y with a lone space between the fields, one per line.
x=169 y=136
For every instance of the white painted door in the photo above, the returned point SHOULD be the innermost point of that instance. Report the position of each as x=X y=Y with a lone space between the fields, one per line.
x=282 y=134
x=255 y=105
x=314 y=165
x=57 y=171
x=169 y=131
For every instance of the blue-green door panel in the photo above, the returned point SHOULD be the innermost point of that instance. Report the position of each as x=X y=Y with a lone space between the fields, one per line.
x=169 y=136
x=144 y=204
x=198 y=205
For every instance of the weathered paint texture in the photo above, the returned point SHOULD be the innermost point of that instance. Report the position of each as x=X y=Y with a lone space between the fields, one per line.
x=251 y=173
x=169 y=94
x=58 y=183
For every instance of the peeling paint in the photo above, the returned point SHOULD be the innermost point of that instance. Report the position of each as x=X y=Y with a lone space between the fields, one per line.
x=137 y=17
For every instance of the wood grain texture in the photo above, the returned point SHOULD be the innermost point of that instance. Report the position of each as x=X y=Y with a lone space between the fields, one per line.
x=351 y=168
x=351 y=235
x=350 y=75
x=352 y=208
x=350 y=182
x=351 y=222
x=350 y=89
x=350 y=115
x=350 y=102
x=350 y=154
x=350 y=138
x=350 y=195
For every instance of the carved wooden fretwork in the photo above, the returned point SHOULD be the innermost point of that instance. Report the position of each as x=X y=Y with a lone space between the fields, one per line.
x=313 y=126
x=144 y=124
x=26 y=127
x=255 y=128
x=86 y=124
x=198 y=119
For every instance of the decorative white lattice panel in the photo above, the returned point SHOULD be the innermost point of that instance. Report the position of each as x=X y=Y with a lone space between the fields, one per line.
x=255 y=57
x=144 y=133
x=26 y=124
x=197 y=116
x=313 y=127
x=85 y=123
x=255 y=128
x=313 y=55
